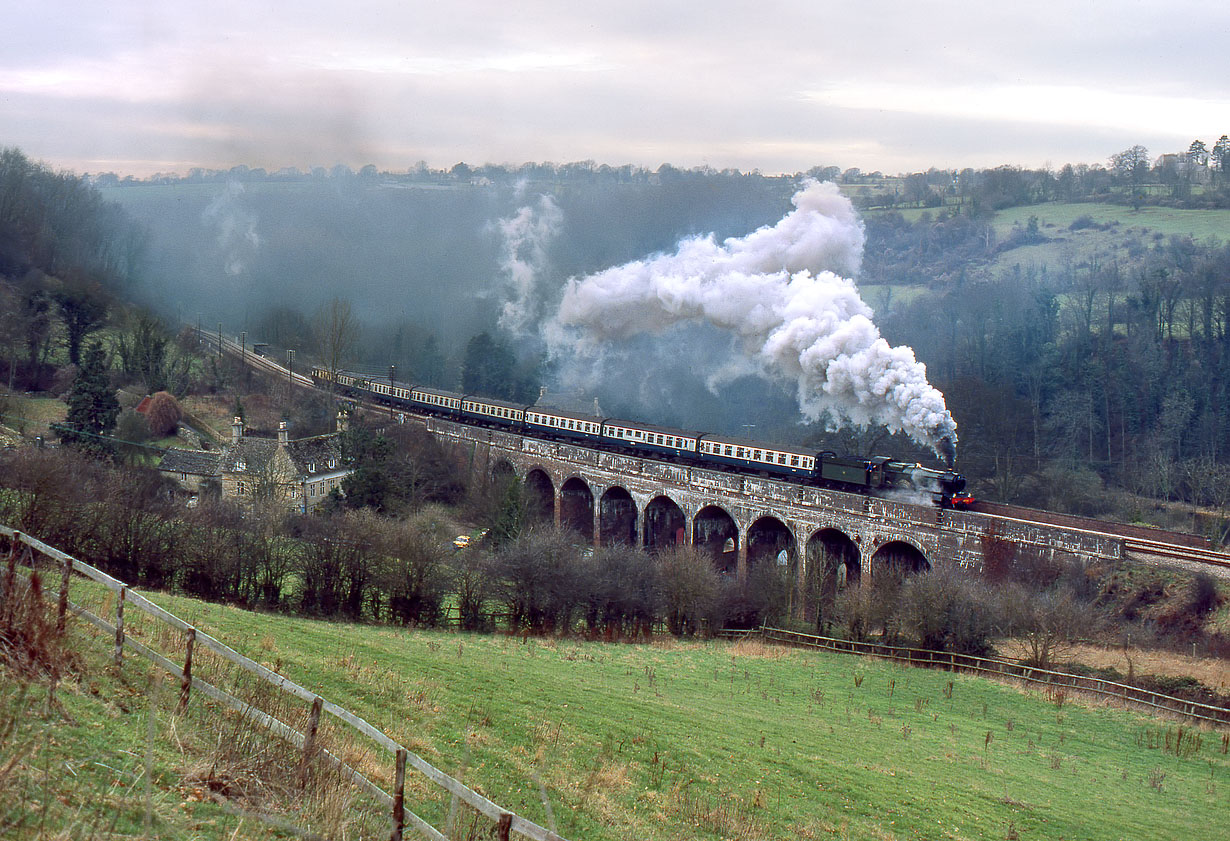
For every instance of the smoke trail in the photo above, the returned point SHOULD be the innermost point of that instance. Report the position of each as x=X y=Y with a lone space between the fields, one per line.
x=525 y=236
x=234 y=228
x=785 y=292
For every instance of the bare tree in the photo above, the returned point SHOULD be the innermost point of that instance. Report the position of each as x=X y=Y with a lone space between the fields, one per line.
x=1048 y=623
x=336 y=331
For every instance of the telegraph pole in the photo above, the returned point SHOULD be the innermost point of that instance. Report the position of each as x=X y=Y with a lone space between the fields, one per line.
x=392 y=371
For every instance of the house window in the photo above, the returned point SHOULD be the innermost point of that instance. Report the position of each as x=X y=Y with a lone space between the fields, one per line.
x=312 y=467
x=332 y=463
x=241 y=466
x=183 y=477
x=242 y=488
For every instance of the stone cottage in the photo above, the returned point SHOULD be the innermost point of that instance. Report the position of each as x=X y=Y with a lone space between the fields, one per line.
x=301 y=472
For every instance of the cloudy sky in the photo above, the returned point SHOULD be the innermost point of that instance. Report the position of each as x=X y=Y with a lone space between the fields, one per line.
x=780 y=85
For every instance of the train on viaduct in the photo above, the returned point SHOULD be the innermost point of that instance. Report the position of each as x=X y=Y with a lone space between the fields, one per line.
x=742 y=520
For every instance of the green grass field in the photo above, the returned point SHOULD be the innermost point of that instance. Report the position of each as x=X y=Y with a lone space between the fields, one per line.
x=1129 y=229
x=722 y=740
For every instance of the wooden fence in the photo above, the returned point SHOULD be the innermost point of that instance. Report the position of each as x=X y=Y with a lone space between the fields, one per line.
x=1128 y=695
x=506 y=822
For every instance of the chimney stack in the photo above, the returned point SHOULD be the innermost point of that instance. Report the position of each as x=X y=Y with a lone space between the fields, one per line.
x=236 y=430
x=343 y=420
x=283 y=434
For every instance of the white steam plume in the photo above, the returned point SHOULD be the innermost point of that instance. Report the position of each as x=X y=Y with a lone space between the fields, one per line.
x=525 y=236
x=785 y=292
x=234 y=228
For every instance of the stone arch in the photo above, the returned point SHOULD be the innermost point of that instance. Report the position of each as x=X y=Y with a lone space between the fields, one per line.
x=665 y=524
x=833 y=560
x=773 y=564
x=540 y=494
x=502 y=469
x=617 y=516
x=833 y=563
x=767 y=538
x=715 y=534
x=901 y=557
x=576 y=507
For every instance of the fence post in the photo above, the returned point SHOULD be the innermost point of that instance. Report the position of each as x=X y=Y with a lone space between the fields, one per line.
x=119 y=627
x=62 y=604
x=185 y=684
x=504 y=827
x=10 y=579
x=309 y=739
x=399 y=795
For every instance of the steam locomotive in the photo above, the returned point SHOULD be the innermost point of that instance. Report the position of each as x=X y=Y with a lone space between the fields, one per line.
x=879 y=475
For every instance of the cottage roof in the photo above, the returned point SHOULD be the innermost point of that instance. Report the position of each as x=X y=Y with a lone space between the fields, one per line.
x=316 y=452
x=196 y=462
x=252 y=453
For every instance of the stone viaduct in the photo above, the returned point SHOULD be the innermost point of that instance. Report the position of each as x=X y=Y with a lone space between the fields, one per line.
x=743 y=520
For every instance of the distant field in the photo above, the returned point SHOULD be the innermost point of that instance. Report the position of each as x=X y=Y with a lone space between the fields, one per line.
x=1129 y=229
x=1198 y=224
x=31 y=415
x=715 y=740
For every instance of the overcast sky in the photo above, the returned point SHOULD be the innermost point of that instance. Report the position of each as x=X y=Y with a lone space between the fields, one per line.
x=780 y=85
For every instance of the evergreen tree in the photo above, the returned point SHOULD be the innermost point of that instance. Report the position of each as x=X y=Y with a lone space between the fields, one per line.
x=92 y=407
x=488 y=367
x=370 y=484
x=431 y=361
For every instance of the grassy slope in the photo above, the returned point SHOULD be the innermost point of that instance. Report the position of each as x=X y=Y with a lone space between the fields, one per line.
x=711 y=740
x=81 y=770
x=1075 y=247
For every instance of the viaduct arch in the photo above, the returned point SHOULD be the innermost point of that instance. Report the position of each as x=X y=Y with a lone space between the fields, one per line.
x=823 y=537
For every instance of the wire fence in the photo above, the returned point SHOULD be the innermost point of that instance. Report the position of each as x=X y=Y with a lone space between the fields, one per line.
x=165 y=631
x=1122 y=692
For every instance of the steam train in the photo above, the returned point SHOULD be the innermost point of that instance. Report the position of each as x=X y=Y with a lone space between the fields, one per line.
x=879 y=475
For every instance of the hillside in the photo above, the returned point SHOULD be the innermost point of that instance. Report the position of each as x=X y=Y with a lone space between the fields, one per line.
x=677 y=739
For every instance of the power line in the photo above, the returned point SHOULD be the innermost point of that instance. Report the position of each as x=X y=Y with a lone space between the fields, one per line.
x=57 y=426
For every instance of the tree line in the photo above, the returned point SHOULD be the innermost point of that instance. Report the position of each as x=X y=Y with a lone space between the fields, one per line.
x=357 y=565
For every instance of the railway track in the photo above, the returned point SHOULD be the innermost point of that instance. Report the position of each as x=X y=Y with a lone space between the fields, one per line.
x=1180 y=553
x=1138 y=540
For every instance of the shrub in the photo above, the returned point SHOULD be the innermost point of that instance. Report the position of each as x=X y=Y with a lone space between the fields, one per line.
x=1203 y=596
x=1049 y=622
x=763 y=597
x=415 y=577
x=132 y=427
x=622 y=593
x=945 y=610
x=163 y=414
x=691 y=591
x=538 y=578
